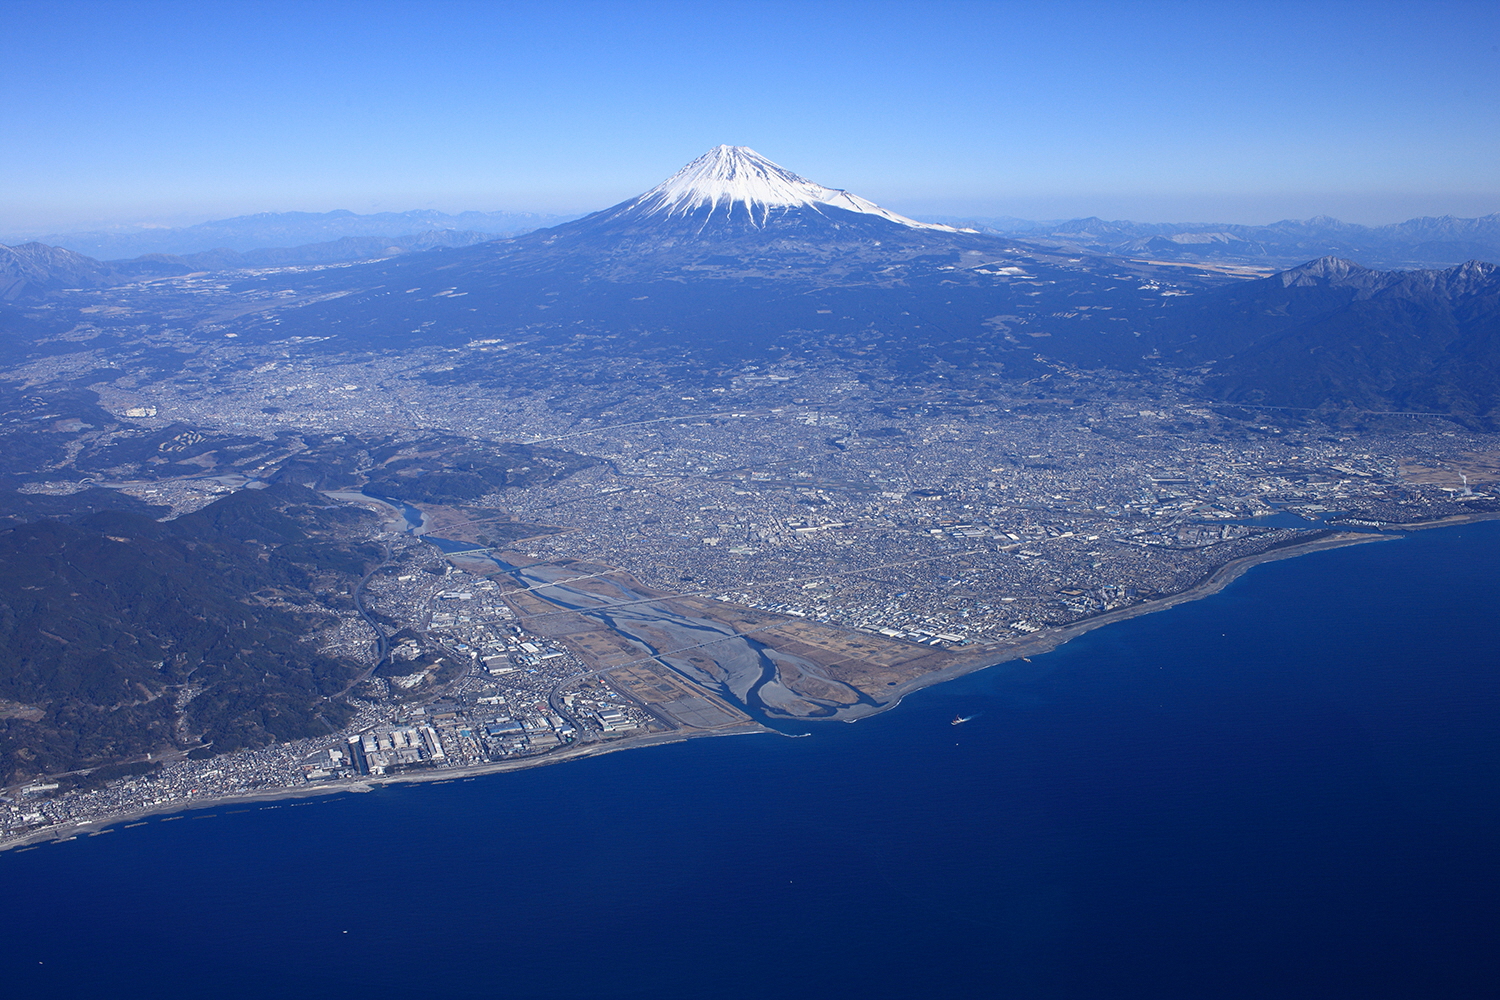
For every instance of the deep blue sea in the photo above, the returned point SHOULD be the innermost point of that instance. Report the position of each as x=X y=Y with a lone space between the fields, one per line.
x=1290 y=789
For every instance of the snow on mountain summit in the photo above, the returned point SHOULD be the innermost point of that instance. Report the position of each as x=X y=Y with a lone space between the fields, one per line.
x=743 y=186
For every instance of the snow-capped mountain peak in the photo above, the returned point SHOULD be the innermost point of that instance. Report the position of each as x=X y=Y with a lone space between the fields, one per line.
x=743 y=186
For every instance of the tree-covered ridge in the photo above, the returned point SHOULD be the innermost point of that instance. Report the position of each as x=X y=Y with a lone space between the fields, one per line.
x=472 y=472
x=126 y=636
x=1334 y=334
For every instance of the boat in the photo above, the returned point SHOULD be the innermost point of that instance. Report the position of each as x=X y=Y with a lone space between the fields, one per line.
x=959 y=720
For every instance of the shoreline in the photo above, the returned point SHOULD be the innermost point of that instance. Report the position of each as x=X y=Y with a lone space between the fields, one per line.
x=1041 y=642
x=577 y=751
x=1452 y=520
x=1045 y=642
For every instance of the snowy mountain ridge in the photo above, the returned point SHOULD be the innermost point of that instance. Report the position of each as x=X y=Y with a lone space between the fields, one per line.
x=739 y=184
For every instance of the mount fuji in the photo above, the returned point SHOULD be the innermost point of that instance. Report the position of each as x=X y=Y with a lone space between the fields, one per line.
x=732 y=202
x=735 y=255
x=733 y=189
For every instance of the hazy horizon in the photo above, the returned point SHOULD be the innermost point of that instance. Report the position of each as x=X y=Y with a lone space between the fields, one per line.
x=915 y=208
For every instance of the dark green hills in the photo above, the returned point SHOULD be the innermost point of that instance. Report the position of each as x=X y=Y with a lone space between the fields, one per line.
x=122 y=636
x=1332 y=334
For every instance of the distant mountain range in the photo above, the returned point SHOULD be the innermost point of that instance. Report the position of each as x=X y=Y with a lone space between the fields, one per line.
x=344 y=235
x=36 y=268
x=285 y=229
x=1333 y=334
x=1425 y=242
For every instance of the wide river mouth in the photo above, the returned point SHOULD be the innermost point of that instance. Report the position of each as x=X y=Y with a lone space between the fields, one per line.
x=747 y=669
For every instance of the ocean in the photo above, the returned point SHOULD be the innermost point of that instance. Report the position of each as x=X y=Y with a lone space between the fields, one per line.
x=1289 y=789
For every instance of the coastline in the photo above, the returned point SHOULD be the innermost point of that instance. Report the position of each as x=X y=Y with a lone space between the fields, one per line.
x=578 y=751
x=1450 y=521
x=992 y=656
x=1045 y=642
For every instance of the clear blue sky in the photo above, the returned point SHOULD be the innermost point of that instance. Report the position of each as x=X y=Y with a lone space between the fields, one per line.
x=1226 y=111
